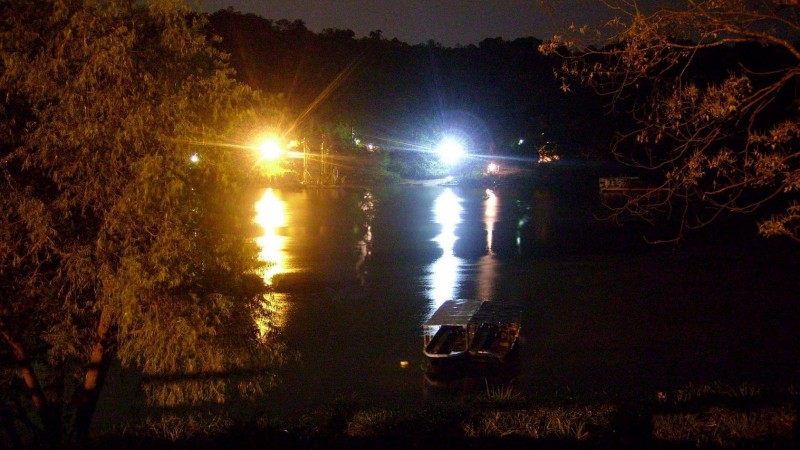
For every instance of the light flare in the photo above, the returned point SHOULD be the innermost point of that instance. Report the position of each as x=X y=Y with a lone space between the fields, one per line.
x=269 y=149
x=450 y=150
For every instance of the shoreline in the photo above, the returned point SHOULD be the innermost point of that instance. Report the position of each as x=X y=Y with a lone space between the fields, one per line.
x=705 y=416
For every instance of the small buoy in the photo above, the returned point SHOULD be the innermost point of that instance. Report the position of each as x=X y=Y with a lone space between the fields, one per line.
x=404 y=364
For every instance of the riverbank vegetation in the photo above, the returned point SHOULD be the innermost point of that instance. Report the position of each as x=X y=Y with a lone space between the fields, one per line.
x=123 y=235
x=710 y=91
x=704 y=416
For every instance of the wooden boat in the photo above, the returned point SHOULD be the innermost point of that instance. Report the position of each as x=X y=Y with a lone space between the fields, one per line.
x=445 y=333
x=621 y=185
x=485 y=331
x=493 y=331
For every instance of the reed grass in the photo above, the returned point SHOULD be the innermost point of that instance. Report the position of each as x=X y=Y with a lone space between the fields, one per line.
x=174 y=428
x=501 y=394
x=705 y=416
x=724 y=427
x=717 y=391
x=562 y=423
x=372 y=423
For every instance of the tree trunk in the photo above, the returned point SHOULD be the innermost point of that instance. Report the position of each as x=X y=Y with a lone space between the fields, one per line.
x=99 y=362
x=48 y=413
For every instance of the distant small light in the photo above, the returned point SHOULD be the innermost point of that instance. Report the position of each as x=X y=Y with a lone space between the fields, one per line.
x=547 y=158
x=357 y=141
x=493 y=169
x=521 y=141
x=370 y=146
x=195 y=158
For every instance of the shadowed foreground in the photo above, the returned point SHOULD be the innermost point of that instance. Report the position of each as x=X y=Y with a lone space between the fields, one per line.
x=709 y=416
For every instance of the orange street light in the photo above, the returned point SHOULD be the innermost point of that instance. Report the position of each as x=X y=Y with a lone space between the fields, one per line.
x=269 y=149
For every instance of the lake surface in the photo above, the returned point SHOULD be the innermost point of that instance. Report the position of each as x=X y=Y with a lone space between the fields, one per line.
x=358 y=272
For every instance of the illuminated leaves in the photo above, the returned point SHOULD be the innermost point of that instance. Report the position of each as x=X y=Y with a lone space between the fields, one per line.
x=103 y=216
x=786 y=224
x=781 y=134
x=728 y=140
x=724 y=100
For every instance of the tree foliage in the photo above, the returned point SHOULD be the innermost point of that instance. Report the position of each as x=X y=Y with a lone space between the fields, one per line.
x=712 y=88
x=113 y=245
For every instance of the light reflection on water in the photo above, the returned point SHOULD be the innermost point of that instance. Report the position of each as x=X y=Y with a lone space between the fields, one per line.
x=364 y=245
x=271 y=217
x=488 y=264
x=445 y=271
x=489 y=216
x=449 y=272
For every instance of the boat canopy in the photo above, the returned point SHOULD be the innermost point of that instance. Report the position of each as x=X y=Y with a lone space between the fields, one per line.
x=454 y=312
x=495 y=311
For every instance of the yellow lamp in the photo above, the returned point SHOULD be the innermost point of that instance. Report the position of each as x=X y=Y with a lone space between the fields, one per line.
x=269 y=149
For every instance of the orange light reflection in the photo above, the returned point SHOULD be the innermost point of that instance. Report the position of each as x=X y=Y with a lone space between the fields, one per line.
x=271 y=216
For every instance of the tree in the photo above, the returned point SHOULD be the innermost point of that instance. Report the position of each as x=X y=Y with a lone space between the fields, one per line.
x=114 y=245
x=711 y=86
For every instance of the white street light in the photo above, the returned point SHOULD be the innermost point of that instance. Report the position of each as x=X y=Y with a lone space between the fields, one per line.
x=450 y=150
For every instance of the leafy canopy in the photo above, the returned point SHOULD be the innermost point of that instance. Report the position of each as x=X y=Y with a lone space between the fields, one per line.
x=711 y=88
x=113 y=243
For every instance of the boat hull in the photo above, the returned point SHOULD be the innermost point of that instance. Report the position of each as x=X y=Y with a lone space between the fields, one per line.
x=492 y=341
x=490 y=356
x=449 y=342
x=475 y=330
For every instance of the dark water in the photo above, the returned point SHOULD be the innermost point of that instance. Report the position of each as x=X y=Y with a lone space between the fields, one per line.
x=360 y=271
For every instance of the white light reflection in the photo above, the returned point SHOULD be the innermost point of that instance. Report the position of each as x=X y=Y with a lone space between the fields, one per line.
x=444 y=272
x=487 y=264
x=489 y=217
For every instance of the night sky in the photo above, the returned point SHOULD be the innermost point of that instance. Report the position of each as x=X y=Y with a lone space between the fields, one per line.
x=449 y=22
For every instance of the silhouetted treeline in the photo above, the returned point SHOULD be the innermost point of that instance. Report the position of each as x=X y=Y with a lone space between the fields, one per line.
x=399 y=95
x=498 y=91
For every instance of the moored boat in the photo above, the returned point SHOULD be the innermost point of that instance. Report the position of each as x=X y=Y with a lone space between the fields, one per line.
x=621 y=185
x=445 y=333
x=493 y=331
x=483 y=330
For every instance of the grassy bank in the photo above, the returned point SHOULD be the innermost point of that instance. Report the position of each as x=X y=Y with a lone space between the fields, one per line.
x=708 y=416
